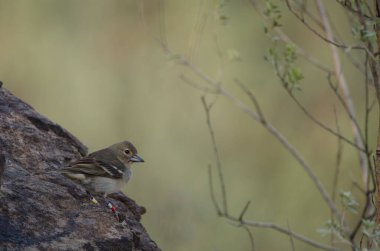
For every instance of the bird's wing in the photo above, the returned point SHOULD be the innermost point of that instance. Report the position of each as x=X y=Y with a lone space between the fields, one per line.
x=91 y=166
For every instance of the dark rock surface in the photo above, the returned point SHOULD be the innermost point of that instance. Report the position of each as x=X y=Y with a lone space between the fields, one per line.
x=42 y=210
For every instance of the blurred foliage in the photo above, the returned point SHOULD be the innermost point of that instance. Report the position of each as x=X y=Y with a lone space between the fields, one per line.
x=96 y=69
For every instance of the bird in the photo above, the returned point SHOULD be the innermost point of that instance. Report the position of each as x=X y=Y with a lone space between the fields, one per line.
x=105 y=171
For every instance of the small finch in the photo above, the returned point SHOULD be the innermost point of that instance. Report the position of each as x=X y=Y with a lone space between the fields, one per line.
x=105 y=171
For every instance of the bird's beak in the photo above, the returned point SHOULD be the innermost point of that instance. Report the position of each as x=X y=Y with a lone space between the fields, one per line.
x=136 y=158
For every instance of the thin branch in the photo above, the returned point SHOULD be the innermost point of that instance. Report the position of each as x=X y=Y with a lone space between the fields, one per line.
x=356 y=185
x=361 y=18
x=337 y=169
x=272 y=130
x=241 y=216
x=250 y=235
x=221 y=180
x=216 y=153
x=356 y=63
x=212 y=192
x=367 y=109
x=349 y=8
x=372 y=105
x=342 y=101
x=338 y=160
x=291 y=238
x=346 y=93
x=283 y=230
x=368 y=50
x=352 y=59
x=311 y=117
x=375 y=75
x=369 y=209
x=196 y=86
x=312 y=17
x=322 y=125
x=373 y=63
x=286 y=39
x=240 y=221
x=336 y=37
x=253 y=99
x=367 y=106
x=328 y=39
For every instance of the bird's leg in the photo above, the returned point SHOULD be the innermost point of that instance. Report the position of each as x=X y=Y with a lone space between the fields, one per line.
x=108 y=204
x=135 y=209
x=92 y=198
x=119 y=216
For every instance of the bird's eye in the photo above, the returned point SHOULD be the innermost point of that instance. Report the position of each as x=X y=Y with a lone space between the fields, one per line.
x=127 y=151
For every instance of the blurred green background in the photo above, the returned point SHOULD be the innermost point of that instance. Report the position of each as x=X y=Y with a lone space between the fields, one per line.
x=96 y=69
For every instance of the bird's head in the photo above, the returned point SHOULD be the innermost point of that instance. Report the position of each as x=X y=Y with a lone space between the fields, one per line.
x=127 y=152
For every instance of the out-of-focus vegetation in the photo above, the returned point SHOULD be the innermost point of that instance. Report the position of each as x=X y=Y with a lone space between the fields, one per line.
x=96 y=69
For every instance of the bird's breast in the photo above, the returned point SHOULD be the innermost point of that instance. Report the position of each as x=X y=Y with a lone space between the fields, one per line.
x=127 y=175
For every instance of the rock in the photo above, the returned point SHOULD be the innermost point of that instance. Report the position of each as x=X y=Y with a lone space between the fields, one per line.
x=38 y=208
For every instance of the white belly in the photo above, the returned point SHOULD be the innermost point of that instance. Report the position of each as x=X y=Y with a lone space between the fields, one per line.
x=108 y=185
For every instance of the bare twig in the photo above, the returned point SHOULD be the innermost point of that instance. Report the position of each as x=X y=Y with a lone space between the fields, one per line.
x=241 y=216
x=250 y=235
x=367 y=213
x=336 y=37
x=367 y=105
x=346 y=93
x=212 y=193
x=375 y=74
x=196 y=86
x=240 y=222
x=348 y=7
x=369 y=208
x=314 y=119
x=361 y=18
x=305 y=11
x=216 y=152
x=283 y=230
x=338 y=159
x=257 y=114
x=342 y=101
x=253 y=99
x=329 y=39
x=217 y=85
x=285 y=38
x=291 y=239
x=319 y=123
x=337 y=170
x=354 y=61
x=356 y=185
x=272 y=130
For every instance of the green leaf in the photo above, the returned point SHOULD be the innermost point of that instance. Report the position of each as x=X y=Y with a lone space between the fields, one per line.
x=328 y=228
x=349 y=202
